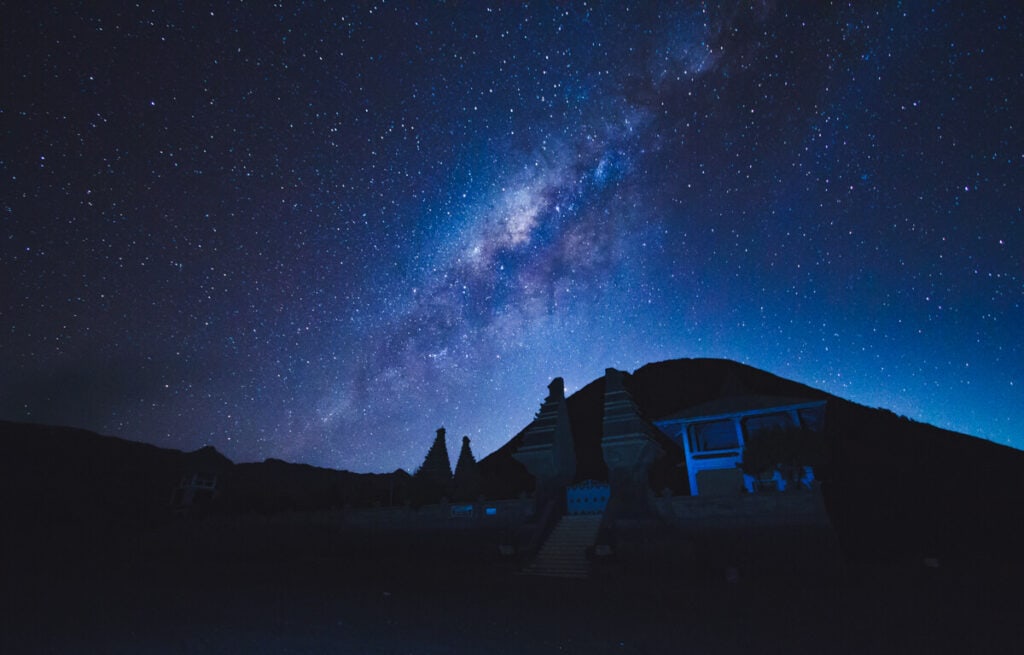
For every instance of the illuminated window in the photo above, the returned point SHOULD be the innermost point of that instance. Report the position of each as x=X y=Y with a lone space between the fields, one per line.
x=715 y=435
x=757 y=424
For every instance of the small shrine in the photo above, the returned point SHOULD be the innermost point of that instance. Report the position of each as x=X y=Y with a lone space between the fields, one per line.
x=716 y=436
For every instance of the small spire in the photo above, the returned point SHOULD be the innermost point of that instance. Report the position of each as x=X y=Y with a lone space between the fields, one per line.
x=437 y=467
x=612 y=380
x=556 y=390
x=467 y=473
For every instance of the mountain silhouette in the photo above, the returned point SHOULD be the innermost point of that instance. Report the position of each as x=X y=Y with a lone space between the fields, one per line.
x=61 y=475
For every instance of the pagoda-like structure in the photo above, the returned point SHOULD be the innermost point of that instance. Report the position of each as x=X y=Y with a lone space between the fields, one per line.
x=629 y=445
x=467 y=474
x=547 y=449
x=437 y=467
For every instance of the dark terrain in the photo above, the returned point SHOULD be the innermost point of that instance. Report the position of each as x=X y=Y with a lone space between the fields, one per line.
x=394 y=600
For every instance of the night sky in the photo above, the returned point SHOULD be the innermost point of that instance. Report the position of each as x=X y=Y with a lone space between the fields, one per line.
x=318 y=232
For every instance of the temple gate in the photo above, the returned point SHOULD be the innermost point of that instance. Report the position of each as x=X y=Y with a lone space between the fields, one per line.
x=587 y=497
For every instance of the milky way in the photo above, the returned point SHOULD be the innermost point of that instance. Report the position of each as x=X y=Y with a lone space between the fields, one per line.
x=319 y=232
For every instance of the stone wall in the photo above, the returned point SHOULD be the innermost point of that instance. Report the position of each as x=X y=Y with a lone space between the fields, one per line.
x=779 y=534
x=444 y=516
x=464 y=532
x=745 y=510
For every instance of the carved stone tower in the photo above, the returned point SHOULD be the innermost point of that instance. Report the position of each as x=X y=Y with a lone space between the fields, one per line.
x=629 y=449
x=547 y=449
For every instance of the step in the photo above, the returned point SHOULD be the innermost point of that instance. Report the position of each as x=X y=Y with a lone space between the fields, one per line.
x=544 y=568
x=564 y=554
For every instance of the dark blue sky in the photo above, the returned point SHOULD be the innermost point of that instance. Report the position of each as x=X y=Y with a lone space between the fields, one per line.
x=319 y=232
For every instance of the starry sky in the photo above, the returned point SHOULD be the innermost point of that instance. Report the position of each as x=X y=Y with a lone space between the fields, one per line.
x=319 y=231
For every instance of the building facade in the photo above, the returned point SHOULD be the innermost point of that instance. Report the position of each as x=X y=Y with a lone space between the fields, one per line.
x=714 y=436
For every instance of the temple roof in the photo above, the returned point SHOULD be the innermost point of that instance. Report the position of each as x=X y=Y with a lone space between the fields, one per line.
x=737 y=405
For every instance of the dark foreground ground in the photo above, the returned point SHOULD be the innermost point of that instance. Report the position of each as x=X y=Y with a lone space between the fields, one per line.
x=377 y=598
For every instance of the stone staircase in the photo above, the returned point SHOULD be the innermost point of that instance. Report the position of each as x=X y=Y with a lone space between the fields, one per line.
x=564 y=554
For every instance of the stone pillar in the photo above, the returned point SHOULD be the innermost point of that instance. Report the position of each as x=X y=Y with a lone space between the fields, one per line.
x=741 y=439
x=629 y=449
x=547 y=449
x=794 y=414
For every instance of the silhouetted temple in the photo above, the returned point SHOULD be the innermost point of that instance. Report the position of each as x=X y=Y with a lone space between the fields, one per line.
x=722 y=462
x=719 y=457
x=704 y=444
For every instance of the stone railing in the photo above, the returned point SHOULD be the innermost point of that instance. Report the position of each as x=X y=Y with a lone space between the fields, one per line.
x=797 y=508
x=446 y=515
